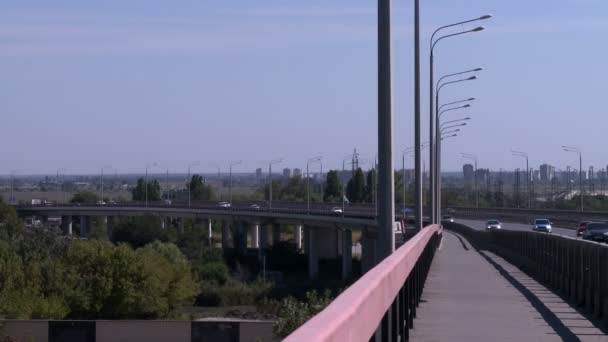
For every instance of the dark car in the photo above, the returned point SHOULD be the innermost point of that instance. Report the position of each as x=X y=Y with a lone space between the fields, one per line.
x=596 y=232
x=581 y=228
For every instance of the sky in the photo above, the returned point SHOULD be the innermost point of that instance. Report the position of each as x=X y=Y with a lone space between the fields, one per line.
x=129 y=83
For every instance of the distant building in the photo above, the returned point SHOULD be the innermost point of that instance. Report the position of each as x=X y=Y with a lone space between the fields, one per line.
x=286 y=172
x=468 y=172
x=297 y=172
x=547 y=173
x=258 y=173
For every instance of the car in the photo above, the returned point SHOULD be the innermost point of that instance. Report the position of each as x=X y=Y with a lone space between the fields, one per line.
x=447 y=218
x=337 y=210
x=101 y=203
x=596 y=231
x=582 y=227
x=168 y=202
x=542 y=225
x=224 y=205
x=254 y=207
x=112 y=202
x=493 y=224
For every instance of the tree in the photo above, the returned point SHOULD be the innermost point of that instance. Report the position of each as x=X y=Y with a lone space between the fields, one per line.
x=139 y=192
x=139 y=231
x=333 y=188
x=370 y=190
x=11 y=227
x=355 y=189
x=199 y=189
x=85 y=197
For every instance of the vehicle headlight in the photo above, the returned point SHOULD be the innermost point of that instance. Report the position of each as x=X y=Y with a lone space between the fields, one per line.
x=548 y=226
x=489 y=227
x=498 y=227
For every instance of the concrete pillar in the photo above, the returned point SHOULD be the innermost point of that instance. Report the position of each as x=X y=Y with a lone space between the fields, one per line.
x=210 y=233
x=181 y=224
x=110 y=226
x=347 y=258
x=85 y=226
x=326 y=243
x=239 y=237
x=263 y=236
x=299 y=236
x=225 y=243
x=311 y=252
x=66 y=224
x=368 y=252
x=255 y=236
x=339 y=242
x=163 y=223
x=276 y=233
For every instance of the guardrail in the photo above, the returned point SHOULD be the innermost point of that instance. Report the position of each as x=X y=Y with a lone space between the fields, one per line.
x=576 y=269
x=382 y=304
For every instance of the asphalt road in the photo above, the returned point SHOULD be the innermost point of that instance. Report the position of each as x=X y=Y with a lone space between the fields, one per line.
x=479 y=225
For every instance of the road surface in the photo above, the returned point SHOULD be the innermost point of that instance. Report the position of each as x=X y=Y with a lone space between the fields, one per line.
x=479 y=225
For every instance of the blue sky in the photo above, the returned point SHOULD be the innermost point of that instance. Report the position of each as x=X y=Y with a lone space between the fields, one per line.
x=130 y=82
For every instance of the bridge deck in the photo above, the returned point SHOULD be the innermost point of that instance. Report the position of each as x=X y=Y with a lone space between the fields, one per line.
x=478 y=296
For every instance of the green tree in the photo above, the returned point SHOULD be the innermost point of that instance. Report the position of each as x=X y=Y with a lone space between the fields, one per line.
x=199 y=189
x=370 y=190
x=294 y=191
x=355 y=189
x=333 y=188
x=139 y=231
x=139 y=192
x=11 y=227
x=85 y=197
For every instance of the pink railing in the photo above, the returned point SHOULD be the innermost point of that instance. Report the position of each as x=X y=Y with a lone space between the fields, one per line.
x=388 y=289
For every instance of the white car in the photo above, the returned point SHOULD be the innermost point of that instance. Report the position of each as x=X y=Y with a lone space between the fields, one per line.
x=101 y=203
x=493 y=224
x=337 y=210
x=225 y=205
x=447 y=218
x=542 y=225
x=254 y=207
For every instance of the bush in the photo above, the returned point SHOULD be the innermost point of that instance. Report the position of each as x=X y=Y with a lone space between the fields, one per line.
x=139 y=231
x=233 y=293
x=293 y=313
x=214 y=272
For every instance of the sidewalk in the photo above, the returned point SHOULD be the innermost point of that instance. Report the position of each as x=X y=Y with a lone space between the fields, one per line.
x=472 y=296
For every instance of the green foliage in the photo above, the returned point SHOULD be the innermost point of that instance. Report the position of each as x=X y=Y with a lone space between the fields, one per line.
x=139 y=192
x=333 y=188
x=233 y=293
x=214 y=272
x=139 y=231
x=199 y=189
x=11 y=227
x=85 y=197
x=293 y=313
x=355 y=189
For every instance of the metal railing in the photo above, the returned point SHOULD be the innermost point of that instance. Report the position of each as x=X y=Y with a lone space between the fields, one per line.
x=380 y=306
x=575 y=269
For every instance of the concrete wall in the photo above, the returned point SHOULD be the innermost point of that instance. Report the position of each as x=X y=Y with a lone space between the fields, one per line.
x=34 y=331
x=150 y=331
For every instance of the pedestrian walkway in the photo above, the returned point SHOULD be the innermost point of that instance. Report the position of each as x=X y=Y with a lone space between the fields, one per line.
x=478 y=296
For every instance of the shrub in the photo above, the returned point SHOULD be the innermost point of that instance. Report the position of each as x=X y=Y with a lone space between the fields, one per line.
x=293 y=313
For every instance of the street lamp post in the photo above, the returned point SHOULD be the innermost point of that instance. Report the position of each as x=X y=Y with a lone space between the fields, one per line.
x=474 y=158
x=525 y=155
x=272 y=162
x=230 y=183
x=310 y=160
x=580 y=170
x=146 y=182
x=432 y=126
x=189 y=181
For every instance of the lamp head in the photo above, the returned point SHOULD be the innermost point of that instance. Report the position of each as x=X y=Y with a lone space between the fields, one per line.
x=472 y=78
x=484 y=17
x=466 y=106
x=477 y=29
x=472 y=99
x=478 y=69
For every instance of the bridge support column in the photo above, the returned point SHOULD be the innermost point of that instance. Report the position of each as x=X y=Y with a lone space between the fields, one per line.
x=85 y=226
x=239 y=237
x=66 y=225
x=347 y=258
x=210 y=231
x=311 y=251
x=368 y=252
x=298 y=237
x=225 y=234
x=276 y=234
x=163 y=223
x=255 y=236
x=326 y=243
x=110 y=226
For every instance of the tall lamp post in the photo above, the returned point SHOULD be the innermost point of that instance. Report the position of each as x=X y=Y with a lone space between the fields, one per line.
x=580 y=170
x=474 y=158
x=272 y=162
x=433 y=43
x=146 y=183
x=189 y=181
x=525 y=156
x=235 y=163
x=308 y=162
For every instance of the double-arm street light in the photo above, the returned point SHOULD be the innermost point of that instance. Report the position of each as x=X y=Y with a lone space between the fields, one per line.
x=189 y=181
x=308 y=162
x=525 y=156
x=146 y=183
x=474 y=158
x=432 y=113
x=235 y=163
x=580 y=170
x=272 y=162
